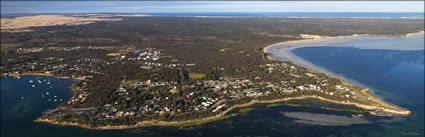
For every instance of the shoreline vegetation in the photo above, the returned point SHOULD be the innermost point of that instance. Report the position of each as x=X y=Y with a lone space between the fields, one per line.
x=386 y=108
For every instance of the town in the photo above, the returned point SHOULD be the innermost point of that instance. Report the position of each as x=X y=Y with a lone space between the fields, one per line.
x=195 y=97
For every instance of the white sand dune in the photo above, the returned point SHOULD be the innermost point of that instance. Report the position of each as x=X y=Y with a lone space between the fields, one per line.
x=23 y=24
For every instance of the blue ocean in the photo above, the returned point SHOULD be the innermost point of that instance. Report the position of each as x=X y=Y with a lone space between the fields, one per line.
x=392 y=67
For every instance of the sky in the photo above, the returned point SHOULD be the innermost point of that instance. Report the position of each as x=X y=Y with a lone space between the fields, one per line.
x=8 y=7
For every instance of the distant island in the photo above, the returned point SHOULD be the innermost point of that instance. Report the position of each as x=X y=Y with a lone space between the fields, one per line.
x=138 y=71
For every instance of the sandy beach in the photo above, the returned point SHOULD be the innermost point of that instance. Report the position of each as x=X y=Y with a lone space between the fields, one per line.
x=316 y=40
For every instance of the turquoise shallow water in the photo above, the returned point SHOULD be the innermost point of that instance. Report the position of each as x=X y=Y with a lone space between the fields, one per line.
x=395 y=74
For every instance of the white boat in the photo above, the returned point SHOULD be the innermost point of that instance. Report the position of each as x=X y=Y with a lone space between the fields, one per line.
x=33 y=85
x=31 y=81
x=47 y=93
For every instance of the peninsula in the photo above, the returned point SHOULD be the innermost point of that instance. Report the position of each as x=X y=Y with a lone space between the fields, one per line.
x=136 y=71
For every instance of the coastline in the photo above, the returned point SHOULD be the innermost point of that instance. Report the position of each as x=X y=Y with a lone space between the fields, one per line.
x=328 y=39
x=415 y=34
x=373 y=111
x=284 y=52
x=319 y=41
x=385 y=107
x=380 y=106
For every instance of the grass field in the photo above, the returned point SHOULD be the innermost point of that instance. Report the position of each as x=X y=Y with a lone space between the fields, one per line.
x=196 y=75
